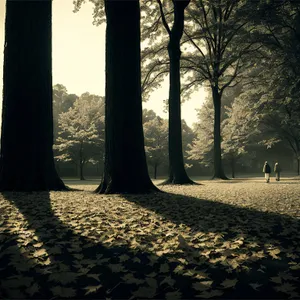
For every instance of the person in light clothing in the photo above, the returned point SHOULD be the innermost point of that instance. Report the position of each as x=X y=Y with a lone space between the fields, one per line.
x=267 y=171
x=277 y=170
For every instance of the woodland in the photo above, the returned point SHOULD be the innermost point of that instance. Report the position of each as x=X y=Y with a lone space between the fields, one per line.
x=128 y=236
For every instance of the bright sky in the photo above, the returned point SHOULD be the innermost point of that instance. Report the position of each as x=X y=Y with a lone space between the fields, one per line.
x=79 y=57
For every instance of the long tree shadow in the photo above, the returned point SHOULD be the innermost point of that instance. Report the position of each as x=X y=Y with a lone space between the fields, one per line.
x=59 y=261
x=67 y=264
x=265 y=244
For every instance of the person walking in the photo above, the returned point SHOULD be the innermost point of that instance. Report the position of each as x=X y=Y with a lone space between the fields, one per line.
x=267 y=171
x=277 y=171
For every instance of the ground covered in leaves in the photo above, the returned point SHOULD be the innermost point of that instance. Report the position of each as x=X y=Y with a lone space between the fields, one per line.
x=221 y=239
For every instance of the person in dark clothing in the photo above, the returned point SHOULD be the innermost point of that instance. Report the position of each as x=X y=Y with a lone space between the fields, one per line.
x=267 y=171
x=277 y=170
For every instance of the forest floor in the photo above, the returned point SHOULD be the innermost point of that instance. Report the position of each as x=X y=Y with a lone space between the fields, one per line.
x=222 y=239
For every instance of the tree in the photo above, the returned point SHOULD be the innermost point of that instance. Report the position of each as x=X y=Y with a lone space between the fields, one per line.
x=277 y=92
x=219 y=32
x=201 y=149
x=125 y=167
x=177 y=173
x=26 y=161
x=62 y=101
x=81 y=135
x=148 y=115
x=156 y=142
x=239 y=131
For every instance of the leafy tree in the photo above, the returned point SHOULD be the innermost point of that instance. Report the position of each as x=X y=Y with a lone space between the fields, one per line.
x=239 y=132
x=220 y=34
x=156 y=142
x=277 y=92
x=148 y=115
x=81 y=135
x=177 y=173
x=62 y=101
x=125 y=167
x=201 y=149
x=26 y=160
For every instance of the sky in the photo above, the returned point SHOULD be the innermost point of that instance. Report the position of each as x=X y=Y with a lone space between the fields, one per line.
x=78 y=57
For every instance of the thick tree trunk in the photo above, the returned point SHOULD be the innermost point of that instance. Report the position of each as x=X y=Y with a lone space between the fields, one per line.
x=298 y=166
x=177 y=173
x=26 y=160
x=218 y=166
x=125 y=167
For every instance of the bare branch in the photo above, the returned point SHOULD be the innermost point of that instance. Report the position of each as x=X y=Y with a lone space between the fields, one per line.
x=165 y=23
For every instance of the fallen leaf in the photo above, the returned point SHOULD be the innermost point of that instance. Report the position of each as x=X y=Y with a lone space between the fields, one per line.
x=276 y=279
x=255 y=286
x=129 y=278
x=92 y=289
x=202 y=285
x=285 y=288
x=168 y=280
x=228 y=283
x=164 y=268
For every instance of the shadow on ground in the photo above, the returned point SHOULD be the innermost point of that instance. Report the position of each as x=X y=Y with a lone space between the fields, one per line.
x=71 y=262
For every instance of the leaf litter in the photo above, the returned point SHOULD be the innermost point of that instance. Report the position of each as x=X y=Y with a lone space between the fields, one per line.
x=192 y=242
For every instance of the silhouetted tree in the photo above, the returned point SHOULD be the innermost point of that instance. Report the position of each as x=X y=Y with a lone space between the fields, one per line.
x=26 y=162
x=125 y=168
x=177 y=173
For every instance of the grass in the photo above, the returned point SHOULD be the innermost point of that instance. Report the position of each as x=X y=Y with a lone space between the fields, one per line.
x=233 y=239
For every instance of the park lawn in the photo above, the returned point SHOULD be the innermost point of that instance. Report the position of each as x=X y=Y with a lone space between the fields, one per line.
x=222 y=239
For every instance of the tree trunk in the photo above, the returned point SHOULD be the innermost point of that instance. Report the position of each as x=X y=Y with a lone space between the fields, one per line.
x=125 y=167
x=81 y=170
x=155 y=171
x=177 y=173
x=26 y=160
x=218 y=166
x=298 y=166
x=233 y=168
x=81 y=162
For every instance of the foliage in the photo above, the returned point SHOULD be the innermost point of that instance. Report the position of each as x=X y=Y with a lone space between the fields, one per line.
x=62 y=101
x=156 y=142
x=201 y=149
x=239 y=131
x=81 y=135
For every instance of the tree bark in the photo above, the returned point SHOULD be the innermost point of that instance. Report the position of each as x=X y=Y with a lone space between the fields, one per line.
x=177 y=172
x=125 y=167
x=26 y=160
x=218 y=166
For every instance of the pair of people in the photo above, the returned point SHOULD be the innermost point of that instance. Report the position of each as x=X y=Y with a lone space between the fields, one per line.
x=267 y=171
